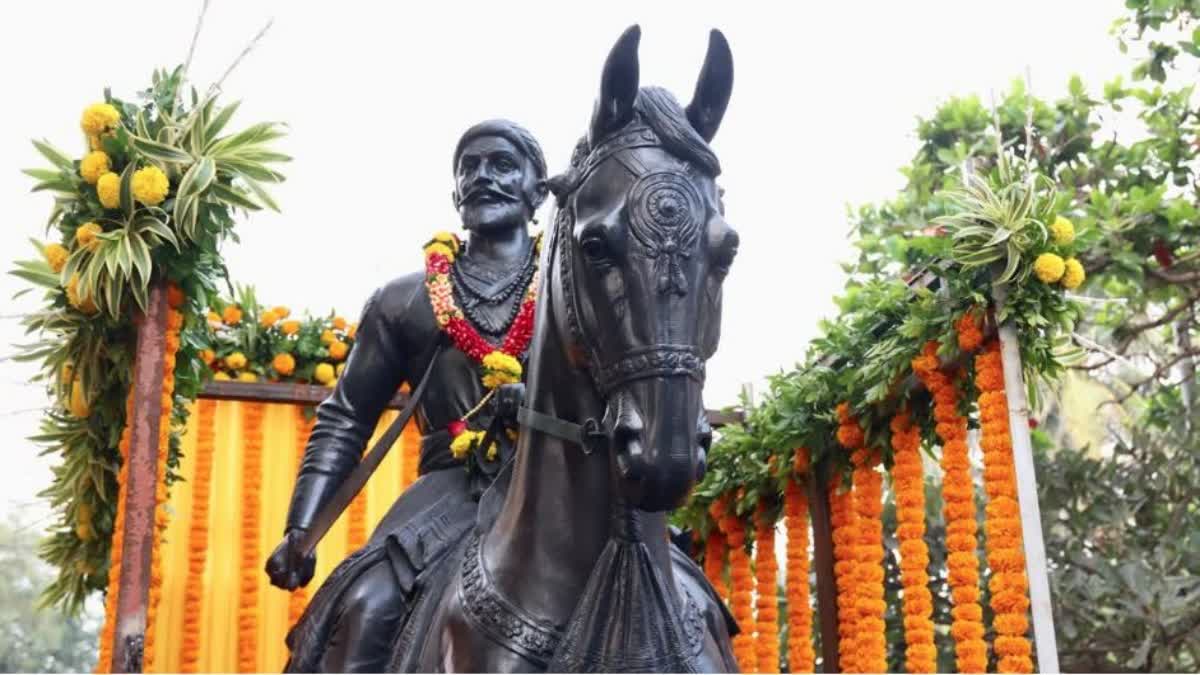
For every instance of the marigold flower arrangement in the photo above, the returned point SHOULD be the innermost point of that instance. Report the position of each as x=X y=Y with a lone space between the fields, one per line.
x=766 y=570
x=908 y=481
x=801 y=657
x=742 y=584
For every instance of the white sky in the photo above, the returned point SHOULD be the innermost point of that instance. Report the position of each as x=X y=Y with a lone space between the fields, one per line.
x=824 y=102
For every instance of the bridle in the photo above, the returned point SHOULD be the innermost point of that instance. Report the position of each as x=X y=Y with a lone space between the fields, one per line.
x=666 y=215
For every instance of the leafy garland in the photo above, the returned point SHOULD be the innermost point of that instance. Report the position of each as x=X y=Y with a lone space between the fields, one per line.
x=150 y=202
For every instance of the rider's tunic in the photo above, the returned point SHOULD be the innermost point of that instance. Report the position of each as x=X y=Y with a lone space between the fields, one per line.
x=351 y=621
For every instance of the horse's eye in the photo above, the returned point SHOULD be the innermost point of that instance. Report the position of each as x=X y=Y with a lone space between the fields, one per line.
x=595 y=249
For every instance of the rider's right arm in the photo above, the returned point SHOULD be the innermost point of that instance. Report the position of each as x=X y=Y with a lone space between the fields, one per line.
x=346 y=420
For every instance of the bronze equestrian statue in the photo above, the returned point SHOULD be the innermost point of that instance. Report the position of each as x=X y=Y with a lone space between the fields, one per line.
x=351 y=621
x=569 y=567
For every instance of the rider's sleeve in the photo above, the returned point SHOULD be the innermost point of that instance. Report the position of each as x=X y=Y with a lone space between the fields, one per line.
x=346 y=420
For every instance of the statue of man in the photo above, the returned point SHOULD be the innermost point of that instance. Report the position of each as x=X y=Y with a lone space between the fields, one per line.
x=499 y=173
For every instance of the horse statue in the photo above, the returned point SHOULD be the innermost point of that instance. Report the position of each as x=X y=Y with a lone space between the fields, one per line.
x=570 y=567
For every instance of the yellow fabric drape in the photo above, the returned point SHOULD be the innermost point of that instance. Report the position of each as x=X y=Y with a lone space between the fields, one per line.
x=218 y=606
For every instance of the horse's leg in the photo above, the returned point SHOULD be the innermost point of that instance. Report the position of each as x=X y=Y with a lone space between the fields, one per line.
x=371 y=612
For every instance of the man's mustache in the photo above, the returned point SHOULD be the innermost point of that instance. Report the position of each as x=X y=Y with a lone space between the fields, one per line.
x=480 y=192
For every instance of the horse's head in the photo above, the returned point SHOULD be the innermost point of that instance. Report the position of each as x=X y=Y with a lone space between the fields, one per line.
x=642 y=253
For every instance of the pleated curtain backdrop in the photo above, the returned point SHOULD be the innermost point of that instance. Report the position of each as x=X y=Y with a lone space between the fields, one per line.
x=210 y=544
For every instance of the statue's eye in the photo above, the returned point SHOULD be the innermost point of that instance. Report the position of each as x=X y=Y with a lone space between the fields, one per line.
x=505 y=164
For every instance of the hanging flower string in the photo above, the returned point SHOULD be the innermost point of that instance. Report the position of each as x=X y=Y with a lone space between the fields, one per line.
x=742 y=591
x=844 y=518
x=908 y=481
x=958 y=497
x=251 y=567
x=189 y=658
x=766 y=571
x=715 y=549
x=501 y=365
x=1009 y=586
x=107 y=634
x=801 y=657
x=161 y=514
x=871 y=640
x=298 y=599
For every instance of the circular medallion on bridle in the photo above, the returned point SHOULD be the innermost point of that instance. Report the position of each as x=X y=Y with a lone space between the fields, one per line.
x=664 y=214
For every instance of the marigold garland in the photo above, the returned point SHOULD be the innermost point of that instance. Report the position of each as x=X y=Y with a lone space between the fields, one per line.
x=742 y=590
x=958 y=497
x=766 y=572
x=714 y=563
x=908 y=482
x=1009 y=586
x=161 y=514
x=842 y=519
x=870 y=638
x=251 y=567
x=108 y=632
x=205 y=418
x=801 y=657
x=970 y=336
x=298 y=600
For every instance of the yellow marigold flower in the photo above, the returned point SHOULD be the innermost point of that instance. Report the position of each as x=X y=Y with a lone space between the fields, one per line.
x=284 y=364
x=99 y=118
x=56 y=255
x=108 y=189
x=500 y=368
x=328 y=337
x=235 y=361
x=352 y=331
x=1049 y=267
x=281 y=311
x=93 y=165
x=1062 y=231
x=269 y=318
x=447 y=238
x=339 y=323
x=439 y=247
x=150 y=185
x=324 y=373
x=83 y=304
x=221 y=376
x=231 y=315
x=337 y=350
x=86 y=236
x=290 y=327
x=247 y=377
x=1073 y=275
x=463 y=443
x=80 y=407
x=208 y=356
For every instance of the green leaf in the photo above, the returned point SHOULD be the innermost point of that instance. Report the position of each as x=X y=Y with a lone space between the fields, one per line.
x=197 y=179
x=261 y=194
x=233 y=197
x=218 y=123
x=56 y=156
x=160 y=151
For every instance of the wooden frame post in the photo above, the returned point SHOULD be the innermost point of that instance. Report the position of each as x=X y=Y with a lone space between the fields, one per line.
x=1027 y=496
x=141 y=484
x=827 y=608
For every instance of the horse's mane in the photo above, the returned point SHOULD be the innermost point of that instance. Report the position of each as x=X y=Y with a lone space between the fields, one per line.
x=658 y=109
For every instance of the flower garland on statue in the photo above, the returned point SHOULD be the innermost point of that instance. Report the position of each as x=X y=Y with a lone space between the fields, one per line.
x=958 y=497
x=1009 y=586
x=198 y=535
x=766 y=571
x=800 y=652
x=501 y=365
x=175 y=299
x=908 y=481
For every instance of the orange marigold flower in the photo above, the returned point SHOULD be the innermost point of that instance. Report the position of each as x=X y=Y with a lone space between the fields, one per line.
x=328 y=337
x=268 y=318
x=290 y=327
x=338 y=350
x=175 y=296
x=284 y=364
x=231 y=315
x=339 y=323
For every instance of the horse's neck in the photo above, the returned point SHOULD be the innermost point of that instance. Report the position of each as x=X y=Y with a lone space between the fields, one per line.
x=560 y=509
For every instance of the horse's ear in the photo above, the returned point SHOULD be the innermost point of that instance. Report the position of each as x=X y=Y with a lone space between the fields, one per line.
x=618 y=86
x=713 y=88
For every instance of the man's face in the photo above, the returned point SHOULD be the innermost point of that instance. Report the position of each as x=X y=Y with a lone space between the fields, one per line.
x=494 y=185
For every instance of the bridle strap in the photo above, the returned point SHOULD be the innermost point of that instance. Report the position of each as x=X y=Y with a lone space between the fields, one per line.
x=588 y=435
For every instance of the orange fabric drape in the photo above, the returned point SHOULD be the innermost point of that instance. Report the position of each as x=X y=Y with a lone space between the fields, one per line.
x=217 y=632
